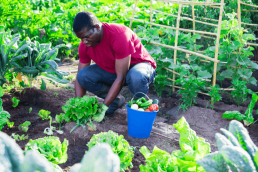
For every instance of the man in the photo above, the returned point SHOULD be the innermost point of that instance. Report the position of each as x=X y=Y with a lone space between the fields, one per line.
x=120 y=60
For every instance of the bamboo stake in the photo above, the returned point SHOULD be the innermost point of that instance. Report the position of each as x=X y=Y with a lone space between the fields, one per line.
x=202 y=18
x=217 y=47
x=193 y=25
x=239 y=14
x=184 y=89
x=169 y=27
x=134 y=8
x=150 y=12
x=252 y=44
x=190 y=2
x=186 y=18
x=209 y=88
x=187 y=51
x=255 y=11
x=176 y=39
x=183 y=76
x=248 y=4
x=249 y=24
x=213 y=6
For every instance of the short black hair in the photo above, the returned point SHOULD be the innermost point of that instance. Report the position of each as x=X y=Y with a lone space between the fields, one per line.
x=84 y=19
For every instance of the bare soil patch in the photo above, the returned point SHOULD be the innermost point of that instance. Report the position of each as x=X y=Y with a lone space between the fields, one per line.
x=204 y=121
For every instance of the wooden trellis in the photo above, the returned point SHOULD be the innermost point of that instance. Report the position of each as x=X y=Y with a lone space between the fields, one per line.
x=177 y=28
x=239 y=16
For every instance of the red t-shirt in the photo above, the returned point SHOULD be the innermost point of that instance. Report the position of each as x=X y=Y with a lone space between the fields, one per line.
x=118 y=42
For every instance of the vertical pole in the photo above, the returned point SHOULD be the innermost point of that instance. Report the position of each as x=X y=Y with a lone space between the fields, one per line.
x=176 y=40
x=193 y=24
x=150 y=12
x=134 y=8
x=217 y=46
x=239 y=13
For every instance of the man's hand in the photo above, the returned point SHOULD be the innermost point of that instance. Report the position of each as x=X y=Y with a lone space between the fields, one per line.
x=79 y=90
x=122 y=67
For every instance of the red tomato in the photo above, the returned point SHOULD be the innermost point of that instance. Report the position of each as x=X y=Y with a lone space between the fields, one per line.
x=147 y=110
x=154 y=107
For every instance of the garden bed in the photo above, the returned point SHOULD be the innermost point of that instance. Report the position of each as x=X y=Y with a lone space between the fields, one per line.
x=204 y=121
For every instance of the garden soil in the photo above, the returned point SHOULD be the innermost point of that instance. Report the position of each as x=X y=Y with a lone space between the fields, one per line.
x=203 y=120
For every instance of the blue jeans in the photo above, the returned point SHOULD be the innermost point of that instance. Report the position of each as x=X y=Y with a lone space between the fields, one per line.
x=94 y=79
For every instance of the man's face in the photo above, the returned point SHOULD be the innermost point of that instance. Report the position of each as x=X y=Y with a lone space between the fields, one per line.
x=89 y=37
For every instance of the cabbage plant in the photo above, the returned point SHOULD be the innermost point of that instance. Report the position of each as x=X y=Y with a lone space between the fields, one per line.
x=34 y=59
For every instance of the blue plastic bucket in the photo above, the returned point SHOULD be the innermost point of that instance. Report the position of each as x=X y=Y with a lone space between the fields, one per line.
x=140 y=122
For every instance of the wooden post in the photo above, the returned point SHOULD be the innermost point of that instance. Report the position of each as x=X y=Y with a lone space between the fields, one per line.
x=217 y=46
x=193 y=25
x=176 y=40
x=239 y=13
x=134 y=8
x=150 y=12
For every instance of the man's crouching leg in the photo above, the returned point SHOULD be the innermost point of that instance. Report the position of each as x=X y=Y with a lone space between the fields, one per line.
x=139 y=78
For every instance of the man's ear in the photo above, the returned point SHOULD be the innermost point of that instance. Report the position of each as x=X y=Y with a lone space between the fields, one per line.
x=98 y=27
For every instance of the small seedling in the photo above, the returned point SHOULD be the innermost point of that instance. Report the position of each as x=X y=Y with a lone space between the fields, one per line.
x=10 y=124
x=30 y=109
x=25 y=126
x=15 y=101
x=17 y=137
x=44 y=114
x=55 y=94
x=59 y=119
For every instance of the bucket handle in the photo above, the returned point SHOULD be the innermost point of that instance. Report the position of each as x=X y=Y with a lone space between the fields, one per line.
x=142 y=93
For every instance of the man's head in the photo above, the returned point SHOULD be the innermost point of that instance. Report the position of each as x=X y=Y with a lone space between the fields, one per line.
x=88 y=28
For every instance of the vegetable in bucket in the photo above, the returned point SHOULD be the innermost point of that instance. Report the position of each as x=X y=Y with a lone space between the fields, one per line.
x=142 y=104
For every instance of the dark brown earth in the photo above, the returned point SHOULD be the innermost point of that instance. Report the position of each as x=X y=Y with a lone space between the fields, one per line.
x=204 y=121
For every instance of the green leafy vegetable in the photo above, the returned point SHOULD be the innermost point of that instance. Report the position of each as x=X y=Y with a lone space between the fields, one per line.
x=25 y=126
x=44 y=114
x=50 y=148
x=158 y=160
x=59 y=119
x=15 y=101
x=4 y=115
x=10 y=124
x=193 y=148
x=237 y=151
x=84 y=109
x=118 y=144
x=18 y=137
x=1 y=92
x=248 y=117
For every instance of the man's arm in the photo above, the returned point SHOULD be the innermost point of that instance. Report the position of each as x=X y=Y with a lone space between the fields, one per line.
x=122 y=67
x=79 y=90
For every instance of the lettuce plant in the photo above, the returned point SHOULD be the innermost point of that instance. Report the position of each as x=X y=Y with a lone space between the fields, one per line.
x=193 y=148
x=247 y=117
x=236 y=151
x=118 y=144
x=83 y=110
x=4 y=115
x=15 y=101
x=25 y=126
x=50 y=148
